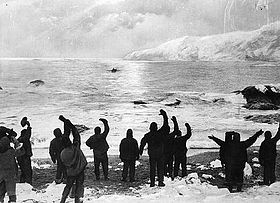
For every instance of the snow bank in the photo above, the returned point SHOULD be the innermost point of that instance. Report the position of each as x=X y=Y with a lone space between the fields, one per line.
x=174 y=191
x=262 y=44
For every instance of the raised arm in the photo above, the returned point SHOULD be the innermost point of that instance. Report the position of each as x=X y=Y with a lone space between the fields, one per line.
x=217 y=140
x=165 y=126
x=189 y=131
x=106 y=127
x=52 y=153
x=247 y=143
x=277 y=136
x=68 y=127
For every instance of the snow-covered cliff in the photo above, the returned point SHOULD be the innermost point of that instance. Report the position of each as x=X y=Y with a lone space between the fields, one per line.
x=261 y=44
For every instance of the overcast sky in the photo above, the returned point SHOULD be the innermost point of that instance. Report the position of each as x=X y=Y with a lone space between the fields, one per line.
x=113 y=28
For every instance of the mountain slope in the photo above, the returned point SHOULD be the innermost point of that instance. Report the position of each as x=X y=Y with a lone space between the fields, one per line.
x=261 y=44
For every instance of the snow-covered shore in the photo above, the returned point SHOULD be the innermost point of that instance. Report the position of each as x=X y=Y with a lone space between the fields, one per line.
x=261 y=44
x=189 y=189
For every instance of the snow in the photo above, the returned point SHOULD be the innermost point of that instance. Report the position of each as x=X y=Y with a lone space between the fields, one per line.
x=256 y=165
x=255 y=159
x=174 y=191
x=40 y=166
x=202 y=167
x=207 y=176
x=248 y=172
x=216 y=164
x=261 y=44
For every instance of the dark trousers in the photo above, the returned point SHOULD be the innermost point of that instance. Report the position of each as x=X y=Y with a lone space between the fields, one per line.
x=129 y=165
x=60 y=171
x=104 y=162
x=8 y=186
x=235 y=177
x=79 y=187
x=269 y=172
x=24 y=163
x=168 y=164
x=180 y=160
x=156 y=164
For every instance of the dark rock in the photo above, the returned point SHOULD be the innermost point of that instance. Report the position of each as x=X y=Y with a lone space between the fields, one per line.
x=270 y=118
x=266 y=99
x=1 y=88
x=81 y=128
x=219 y=100
x=175 y=103
x=140 y=102
x=37 y=82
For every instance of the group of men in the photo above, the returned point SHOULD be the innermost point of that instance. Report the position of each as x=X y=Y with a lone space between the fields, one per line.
x=233 y=156
x=166 y=149
x=8 y=157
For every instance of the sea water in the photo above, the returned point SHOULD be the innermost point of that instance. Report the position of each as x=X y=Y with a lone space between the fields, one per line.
x=85 y=90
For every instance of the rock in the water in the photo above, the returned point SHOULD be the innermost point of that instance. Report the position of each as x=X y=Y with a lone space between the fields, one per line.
x=139 y=102
x=37 y=82
x=175 y=103
x=270 y=119
x=1 y=88
x=262 y=97
x=81 y=128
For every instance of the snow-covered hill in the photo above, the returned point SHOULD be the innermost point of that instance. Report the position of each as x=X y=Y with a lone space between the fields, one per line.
x=261 y=44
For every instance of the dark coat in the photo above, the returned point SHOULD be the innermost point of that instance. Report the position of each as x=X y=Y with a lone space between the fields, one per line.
x=155 y=141
x=25 y=139
x=8 y=166
x=129 y=149
x=74 y=160
x=267 y=152
x=169 y=140
x=55 y=149
x=98 y=143
x=238 y=152
x=180 y=148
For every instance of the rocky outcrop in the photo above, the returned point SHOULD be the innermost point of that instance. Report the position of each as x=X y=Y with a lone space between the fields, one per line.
x=262 y=97
x=270 y=118
x=37 y=83
x=81 y=128
x=139 y=102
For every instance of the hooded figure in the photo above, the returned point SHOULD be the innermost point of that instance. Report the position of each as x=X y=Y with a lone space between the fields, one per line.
x=99 y=145
x=8 y=170
x=56 y=147
x=75 y=162
x=267 y=156
x=169 y=149
x=180 y=151
x=155 y=140
x=24 y=161
x=234 y=156
x=224 y=152
x=238 y=159
x=129 y=153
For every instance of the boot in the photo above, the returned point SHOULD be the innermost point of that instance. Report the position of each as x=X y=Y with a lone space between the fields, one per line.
x=12 y=198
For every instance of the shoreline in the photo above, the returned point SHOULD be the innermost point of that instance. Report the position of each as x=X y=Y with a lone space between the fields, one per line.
x=42 y=177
